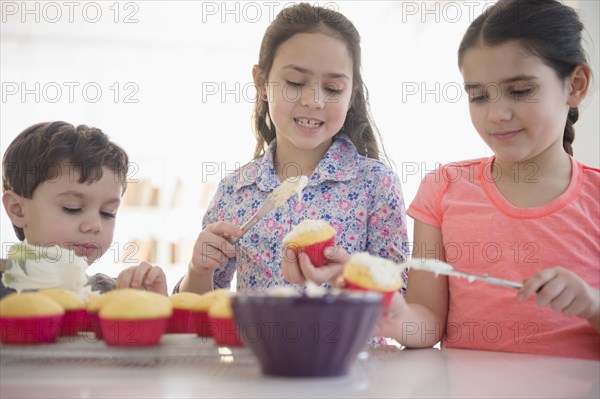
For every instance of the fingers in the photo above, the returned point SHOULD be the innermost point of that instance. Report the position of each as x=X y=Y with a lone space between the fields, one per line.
x=212 y=248
x=290 y=268
x=321 y=274
x=336 y=254
x=535 y=283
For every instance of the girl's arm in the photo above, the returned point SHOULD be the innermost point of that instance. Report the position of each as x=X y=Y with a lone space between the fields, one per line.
x=420 y=320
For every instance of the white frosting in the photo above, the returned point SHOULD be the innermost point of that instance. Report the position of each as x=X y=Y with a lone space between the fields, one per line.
x=383 y=271
x=314 y=291
x=289 y=187
x=305 y=226
x=431 y=265
x=35 y=268
x=283 y=291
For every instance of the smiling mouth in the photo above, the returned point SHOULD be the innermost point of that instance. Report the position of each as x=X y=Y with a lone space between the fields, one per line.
x=310 y=123
x=506 y=135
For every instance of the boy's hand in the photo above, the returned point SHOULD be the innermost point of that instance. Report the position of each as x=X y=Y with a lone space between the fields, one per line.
x=212 y=248
x=564 y=291
x=143 y=276
x=297 y=269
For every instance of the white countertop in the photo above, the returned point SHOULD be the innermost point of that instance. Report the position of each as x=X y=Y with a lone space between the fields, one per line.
x=185 y=366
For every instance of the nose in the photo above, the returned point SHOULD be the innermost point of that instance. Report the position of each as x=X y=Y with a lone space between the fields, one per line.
x=312 y=96
x=91 y=224
x=499 y=111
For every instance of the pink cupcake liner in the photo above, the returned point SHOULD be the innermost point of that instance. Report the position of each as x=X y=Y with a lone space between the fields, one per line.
x=30 y=330
x=225 y=332
x=202 y=325
x=181 y=322
x=133 y=332
x=91 y=323
x=387 y=295
x=315 y=251
x=72 y=322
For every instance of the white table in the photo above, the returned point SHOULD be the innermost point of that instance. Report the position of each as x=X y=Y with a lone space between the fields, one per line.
x=185 y=366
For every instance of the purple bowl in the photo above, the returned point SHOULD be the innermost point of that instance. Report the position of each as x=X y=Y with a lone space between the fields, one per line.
x=307 y=336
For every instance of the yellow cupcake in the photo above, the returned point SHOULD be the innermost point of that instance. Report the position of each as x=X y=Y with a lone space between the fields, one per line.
x=221 y=308
x=373 y=273
x=308 y=232
x=132 y=306
x=29 y=304
x=184 y=300
x=65 y=298
x=207 y=299
x=96 y=303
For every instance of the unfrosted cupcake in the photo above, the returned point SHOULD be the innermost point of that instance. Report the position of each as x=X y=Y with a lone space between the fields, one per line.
x=29 y=318
x=311 y=237
x=134 y=317
x=73 y=306
x=220 y=315
x=364 y=271
x=181 y=321
x=199 y=311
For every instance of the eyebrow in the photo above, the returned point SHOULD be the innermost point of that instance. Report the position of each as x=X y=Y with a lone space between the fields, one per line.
x=518 y=78
x=308 y=71
x=79 y=195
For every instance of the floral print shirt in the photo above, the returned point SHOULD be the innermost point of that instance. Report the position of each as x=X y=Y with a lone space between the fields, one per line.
x=359 y=196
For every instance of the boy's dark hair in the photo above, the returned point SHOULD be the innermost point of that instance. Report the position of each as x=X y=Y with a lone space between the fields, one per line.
x=37 y=154
x=545 y=28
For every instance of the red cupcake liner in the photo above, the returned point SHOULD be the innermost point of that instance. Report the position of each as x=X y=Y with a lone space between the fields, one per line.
x=133 y=332
x=225 y=332
x=387 y=295
x=315 y=251
x=202 y=325
x=72 y=322
x=91 y=323
x=181 y=322
x=30 y=330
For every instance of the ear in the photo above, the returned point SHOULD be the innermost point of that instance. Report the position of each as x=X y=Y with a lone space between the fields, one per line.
x=259 y=81
x=579 y=82
x=14 y=207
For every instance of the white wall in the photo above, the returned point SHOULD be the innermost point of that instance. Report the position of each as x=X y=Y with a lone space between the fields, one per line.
x=171 y=57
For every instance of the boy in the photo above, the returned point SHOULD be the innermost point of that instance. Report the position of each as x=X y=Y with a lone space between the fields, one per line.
x=62 y=185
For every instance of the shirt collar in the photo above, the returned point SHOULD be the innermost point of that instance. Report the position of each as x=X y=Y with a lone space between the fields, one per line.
x=338 y=164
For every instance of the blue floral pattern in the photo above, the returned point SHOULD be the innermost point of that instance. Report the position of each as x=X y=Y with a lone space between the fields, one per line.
x=359 y=196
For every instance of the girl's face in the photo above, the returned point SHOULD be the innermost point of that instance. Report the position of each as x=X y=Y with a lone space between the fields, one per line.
x=73 y=215
x=518 y=105
x=309 y=90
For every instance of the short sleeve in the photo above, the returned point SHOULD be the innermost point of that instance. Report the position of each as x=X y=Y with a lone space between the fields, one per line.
x=426 y=207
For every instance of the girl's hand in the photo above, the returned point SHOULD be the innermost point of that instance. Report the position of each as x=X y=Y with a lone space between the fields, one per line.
x=143 y=276
x=564 y=290
x=390 y=323
x=212 y=248
x=297 y=269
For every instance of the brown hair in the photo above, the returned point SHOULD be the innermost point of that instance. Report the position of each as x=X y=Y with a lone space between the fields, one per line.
x=545 y=28
x=305 y=18
x=37 y=153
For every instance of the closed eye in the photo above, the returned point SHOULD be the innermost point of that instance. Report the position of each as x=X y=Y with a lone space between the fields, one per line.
x=294 y=84
x=108 y=215
x=71 y=211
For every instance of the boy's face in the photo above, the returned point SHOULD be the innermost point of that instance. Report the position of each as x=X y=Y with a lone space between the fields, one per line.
x=79 y=217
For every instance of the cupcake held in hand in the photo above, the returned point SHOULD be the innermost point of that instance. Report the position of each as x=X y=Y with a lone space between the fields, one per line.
x=364 y=271
x=311 y=237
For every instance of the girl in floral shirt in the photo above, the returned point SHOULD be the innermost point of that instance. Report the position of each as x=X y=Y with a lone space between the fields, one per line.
x=310 y=119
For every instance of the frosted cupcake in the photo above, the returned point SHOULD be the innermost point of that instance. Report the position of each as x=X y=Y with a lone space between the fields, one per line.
x=364 y=271
x=73 y=306
x=225 y=331
x=134 y=317
x=29 y=318
x=311 y=237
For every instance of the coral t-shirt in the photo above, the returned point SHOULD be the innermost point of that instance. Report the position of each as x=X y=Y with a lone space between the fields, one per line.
x=483 y=233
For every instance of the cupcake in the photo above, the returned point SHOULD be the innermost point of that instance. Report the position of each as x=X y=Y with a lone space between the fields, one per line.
x=181 y=321
x=220 y=315
x=199 y=311
x=311 y=237
x=73 y=306
x=29 y=318
x=90 y=319
x=364 y=271
x=134 y=317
